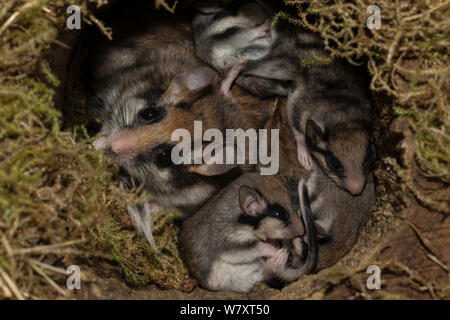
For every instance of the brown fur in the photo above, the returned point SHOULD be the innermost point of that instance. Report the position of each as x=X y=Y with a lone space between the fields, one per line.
x=135 y=73
x=331 y=205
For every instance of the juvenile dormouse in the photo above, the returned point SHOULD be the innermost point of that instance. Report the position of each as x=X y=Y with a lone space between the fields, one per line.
x=331 y=118
x=338 y=215
x=237 y=39
x=243 y=235
x=127 y=76
x=143 y=90
x=328 y=107
x=301 y=253
x=139 y=138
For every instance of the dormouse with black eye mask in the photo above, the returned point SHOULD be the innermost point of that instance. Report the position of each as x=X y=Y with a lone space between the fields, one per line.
x=144 y=89
x=329 y=109
x=330 y=115
x=249 y=232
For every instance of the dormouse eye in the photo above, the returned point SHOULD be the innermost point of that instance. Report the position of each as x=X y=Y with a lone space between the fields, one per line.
x=333 y=163
x=277 y=211
x=163 y=158
x=150 y=115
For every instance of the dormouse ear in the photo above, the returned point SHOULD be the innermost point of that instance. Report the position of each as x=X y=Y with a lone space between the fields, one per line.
x=313 y=134
x=189 y=86
x=251 y=201
x=214 y=165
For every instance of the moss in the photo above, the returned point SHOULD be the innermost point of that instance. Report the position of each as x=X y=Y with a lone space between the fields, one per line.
x=336 y=275
x=315 y=60
x=140 y=263
x=55 y=190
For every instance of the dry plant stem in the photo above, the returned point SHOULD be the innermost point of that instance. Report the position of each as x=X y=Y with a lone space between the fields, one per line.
x=10 y=283
x=438 y=262
x=426 y=13
x=47 y=266
x=105 y=30
x=49 y=280
x=48 y=248
x=14 y=16
x=9 y=21
x=9 y=252
x=427 y=245
x=413 y=276
x=423 y=240
x=6 y=291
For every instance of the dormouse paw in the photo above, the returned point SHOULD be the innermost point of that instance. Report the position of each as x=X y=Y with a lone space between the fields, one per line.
x=268 y=251
x=304 y=158
x=280 y=258
x=231 y=76
x=263 y=30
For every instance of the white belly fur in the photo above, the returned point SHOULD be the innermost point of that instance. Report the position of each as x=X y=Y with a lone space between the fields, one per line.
x=234 y=277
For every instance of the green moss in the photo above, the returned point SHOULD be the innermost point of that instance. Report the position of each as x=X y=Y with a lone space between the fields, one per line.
x=141 y=264
x=318 y=60
x=284 y=16
x=335 y=275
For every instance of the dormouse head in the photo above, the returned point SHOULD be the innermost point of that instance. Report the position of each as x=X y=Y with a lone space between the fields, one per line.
x=231 y=21
x=246 y=12
x=301 y=252
x=345 y=152
x=141 y=122
x=270 y=221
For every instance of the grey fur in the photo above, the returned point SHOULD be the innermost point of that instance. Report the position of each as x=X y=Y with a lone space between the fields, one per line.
x=135 y=74
x=272 y=61
x=226 y=254
x=293 y=61
x=338 y=216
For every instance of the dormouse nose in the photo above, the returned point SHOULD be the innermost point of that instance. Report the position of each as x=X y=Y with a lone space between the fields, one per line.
x=123 y=143
x=298 y=229
x=354 y=185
